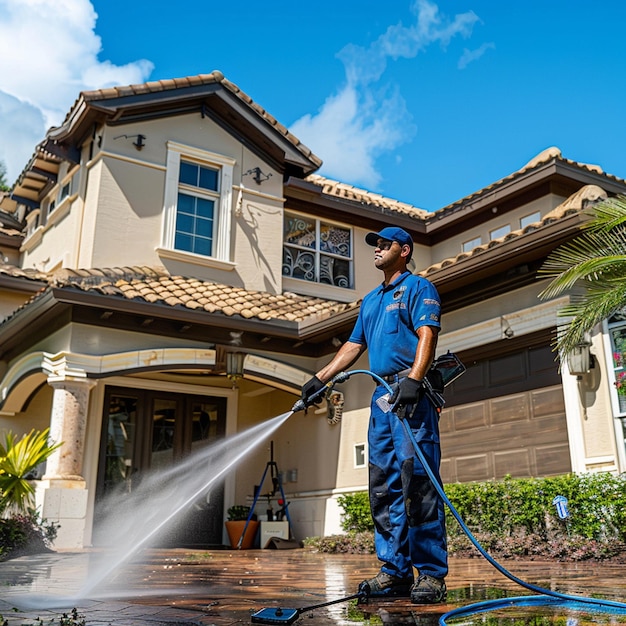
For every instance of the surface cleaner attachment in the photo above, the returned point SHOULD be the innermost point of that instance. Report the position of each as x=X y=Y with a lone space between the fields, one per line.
x=275 y=616
x=281 y=615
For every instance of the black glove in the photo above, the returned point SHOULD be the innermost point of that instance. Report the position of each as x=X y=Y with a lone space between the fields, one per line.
x=409 y=391
x=310 y=388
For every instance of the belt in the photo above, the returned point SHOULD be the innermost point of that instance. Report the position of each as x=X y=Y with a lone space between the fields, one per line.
x=392 y=378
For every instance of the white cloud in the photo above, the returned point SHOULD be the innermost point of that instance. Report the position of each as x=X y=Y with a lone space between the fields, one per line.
x=358 y=123
x=351 y=129
x=473 y=55
x=48 y=54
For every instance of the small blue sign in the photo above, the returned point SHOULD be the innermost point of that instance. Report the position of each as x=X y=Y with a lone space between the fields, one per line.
x=560 y=502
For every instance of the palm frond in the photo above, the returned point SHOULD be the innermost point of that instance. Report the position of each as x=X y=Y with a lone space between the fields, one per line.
x=595 y=263
x=17 y=460
x=608 y=215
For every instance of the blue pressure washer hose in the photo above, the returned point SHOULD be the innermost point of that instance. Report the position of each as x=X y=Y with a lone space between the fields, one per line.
x=553 y=597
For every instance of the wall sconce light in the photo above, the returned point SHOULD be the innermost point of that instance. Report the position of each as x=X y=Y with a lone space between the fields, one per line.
x=580 y=360
x=139 y=143
x=234 y=366
x=507 y=331
x=257 y=175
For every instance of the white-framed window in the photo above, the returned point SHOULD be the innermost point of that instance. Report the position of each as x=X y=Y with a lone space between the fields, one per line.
x=530 y=219
x=468 y=246
x=65 y=190
x=617 y=335
x=360 y=455
x=496 y=233
x=198 y=202
x=32 y=221
x=317 y=250
x=47 y=207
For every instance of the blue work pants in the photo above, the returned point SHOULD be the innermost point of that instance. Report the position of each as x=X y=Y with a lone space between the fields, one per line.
x=409 y=517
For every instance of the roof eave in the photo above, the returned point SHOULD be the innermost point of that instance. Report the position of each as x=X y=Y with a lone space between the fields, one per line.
x=368 y=215
x=518 y=183
x=529 y=246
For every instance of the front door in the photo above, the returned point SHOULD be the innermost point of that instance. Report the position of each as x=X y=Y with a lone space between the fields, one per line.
x=150 y=430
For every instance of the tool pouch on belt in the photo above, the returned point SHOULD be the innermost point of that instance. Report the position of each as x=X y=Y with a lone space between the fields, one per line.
x=435 y=378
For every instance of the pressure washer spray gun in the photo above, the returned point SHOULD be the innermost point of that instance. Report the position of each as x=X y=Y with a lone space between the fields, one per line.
x=302 y=405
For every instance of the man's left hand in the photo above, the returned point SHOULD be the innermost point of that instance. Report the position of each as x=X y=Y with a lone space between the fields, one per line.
x=409 y=391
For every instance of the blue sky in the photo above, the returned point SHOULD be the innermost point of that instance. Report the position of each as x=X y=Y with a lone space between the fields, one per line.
x=422 y=101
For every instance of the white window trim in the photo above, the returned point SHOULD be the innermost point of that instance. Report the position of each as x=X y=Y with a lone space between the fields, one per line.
x=176 y=151
x=196 y=259
x=354 y=447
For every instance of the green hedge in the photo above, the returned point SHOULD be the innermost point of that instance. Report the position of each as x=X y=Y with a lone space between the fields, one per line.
x=596 y=502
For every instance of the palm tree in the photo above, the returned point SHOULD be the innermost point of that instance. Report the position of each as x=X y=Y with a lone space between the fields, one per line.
x=17 y=460
x=593 y=267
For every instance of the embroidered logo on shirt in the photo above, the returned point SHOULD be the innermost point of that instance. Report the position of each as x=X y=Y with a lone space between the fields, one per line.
x=431 y=302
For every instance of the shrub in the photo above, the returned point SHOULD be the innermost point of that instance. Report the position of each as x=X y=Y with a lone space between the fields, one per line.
x=352 y=543
x=25 y=534
x=514 y=518
x=356 y=516
x=596 y=503
x=239 y=513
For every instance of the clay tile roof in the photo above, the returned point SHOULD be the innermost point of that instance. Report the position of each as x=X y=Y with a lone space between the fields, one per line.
x=18 y=272
x=156 y=286
x=9 y=226
x=191 y=81
x=362 y=196
x=546 y=155
x=577 y=202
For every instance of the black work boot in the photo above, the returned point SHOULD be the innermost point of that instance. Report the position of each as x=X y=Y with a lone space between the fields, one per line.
x=386 y=585
x=428 y=590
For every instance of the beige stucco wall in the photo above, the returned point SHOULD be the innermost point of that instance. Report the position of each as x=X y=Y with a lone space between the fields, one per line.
x=353 y=431
x=116 y=217
x=36 y=416
x=520 y=299
x=55 y=244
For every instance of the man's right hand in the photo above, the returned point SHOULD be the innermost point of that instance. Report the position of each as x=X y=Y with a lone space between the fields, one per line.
x=309 y=389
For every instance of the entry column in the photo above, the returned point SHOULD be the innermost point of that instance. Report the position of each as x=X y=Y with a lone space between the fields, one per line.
x=62 y=495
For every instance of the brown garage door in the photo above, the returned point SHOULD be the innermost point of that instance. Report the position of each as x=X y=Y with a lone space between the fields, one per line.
x=505 y=416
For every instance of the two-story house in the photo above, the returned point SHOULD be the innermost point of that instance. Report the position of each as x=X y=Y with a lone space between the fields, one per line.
x=174 y=229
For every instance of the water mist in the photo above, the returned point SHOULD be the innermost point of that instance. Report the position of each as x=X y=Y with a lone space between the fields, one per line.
x=134 y=522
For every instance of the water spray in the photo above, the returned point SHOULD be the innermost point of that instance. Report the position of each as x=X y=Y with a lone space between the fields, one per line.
x=451 y=368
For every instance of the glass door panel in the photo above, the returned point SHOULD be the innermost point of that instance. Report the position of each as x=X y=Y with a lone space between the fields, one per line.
x=164 y=427
x=120 y=431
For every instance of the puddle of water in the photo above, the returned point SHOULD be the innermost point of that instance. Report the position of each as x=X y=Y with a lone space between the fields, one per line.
x=554 y=615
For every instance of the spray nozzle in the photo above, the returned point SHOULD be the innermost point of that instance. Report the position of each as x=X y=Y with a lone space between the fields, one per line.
x=298 y=406
x=302 y=404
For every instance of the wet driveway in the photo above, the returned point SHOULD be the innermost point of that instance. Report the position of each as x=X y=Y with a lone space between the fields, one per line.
x=224 y=587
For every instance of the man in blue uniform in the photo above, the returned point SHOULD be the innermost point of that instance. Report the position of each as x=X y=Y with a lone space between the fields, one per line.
x=398 y=323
